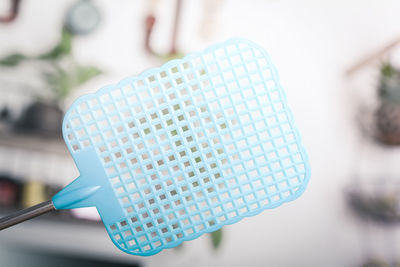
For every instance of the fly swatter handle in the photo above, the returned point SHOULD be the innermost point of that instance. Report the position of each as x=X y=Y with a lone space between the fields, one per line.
x=26 y=214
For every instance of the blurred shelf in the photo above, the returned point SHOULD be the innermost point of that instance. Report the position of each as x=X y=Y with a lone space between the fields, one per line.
x=66 y=235
x=54 y=145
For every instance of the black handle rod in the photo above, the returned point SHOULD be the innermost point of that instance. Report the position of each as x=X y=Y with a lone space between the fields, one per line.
x=26 y=214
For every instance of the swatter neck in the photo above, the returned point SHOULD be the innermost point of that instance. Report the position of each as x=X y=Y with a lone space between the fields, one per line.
x=26 y=214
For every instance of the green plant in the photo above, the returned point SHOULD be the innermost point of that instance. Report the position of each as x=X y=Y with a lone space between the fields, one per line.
x=61 y=78
x=61 y=81
x=64 y=47
x=388 y=112
x=216 y=238
x=389 y=83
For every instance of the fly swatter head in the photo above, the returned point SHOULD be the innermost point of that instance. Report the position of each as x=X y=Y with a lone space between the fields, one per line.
x=184 y=149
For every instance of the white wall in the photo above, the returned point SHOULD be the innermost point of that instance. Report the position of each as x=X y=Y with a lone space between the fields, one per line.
x=312 y=43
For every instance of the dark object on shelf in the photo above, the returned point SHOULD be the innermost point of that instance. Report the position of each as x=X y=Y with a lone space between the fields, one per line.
x=376 y=203
x=10 y=191
x=41 y=118
x=5 y=114
x=5 y=119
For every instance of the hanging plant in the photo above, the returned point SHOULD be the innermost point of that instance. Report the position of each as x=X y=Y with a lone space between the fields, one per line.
x=388 y=112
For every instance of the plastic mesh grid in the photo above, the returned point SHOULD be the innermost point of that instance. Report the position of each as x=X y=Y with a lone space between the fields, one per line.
x=191 y=146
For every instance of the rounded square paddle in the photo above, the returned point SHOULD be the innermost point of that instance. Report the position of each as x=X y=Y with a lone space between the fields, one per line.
x=184 y=149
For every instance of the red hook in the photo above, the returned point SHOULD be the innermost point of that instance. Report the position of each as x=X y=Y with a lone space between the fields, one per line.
x=13 y=12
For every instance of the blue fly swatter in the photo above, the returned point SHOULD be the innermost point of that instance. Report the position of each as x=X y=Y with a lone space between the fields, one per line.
x=182 y=150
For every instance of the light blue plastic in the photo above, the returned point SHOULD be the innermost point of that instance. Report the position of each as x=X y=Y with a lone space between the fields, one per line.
x=184 y=149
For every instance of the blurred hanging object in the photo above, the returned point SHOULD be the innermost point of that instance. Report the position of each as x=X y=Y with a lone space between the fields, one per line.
x=14 y=9
x=380 y=121
x=175 y=29
x=384 y=124
x=150 y=20
x=149 y=26
x=210 y=17
x=82 y=18
x=375 y=194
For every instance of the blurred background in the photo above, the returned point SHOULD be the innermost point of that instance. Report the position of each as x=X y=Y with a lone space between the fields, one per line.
x=339 y=62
